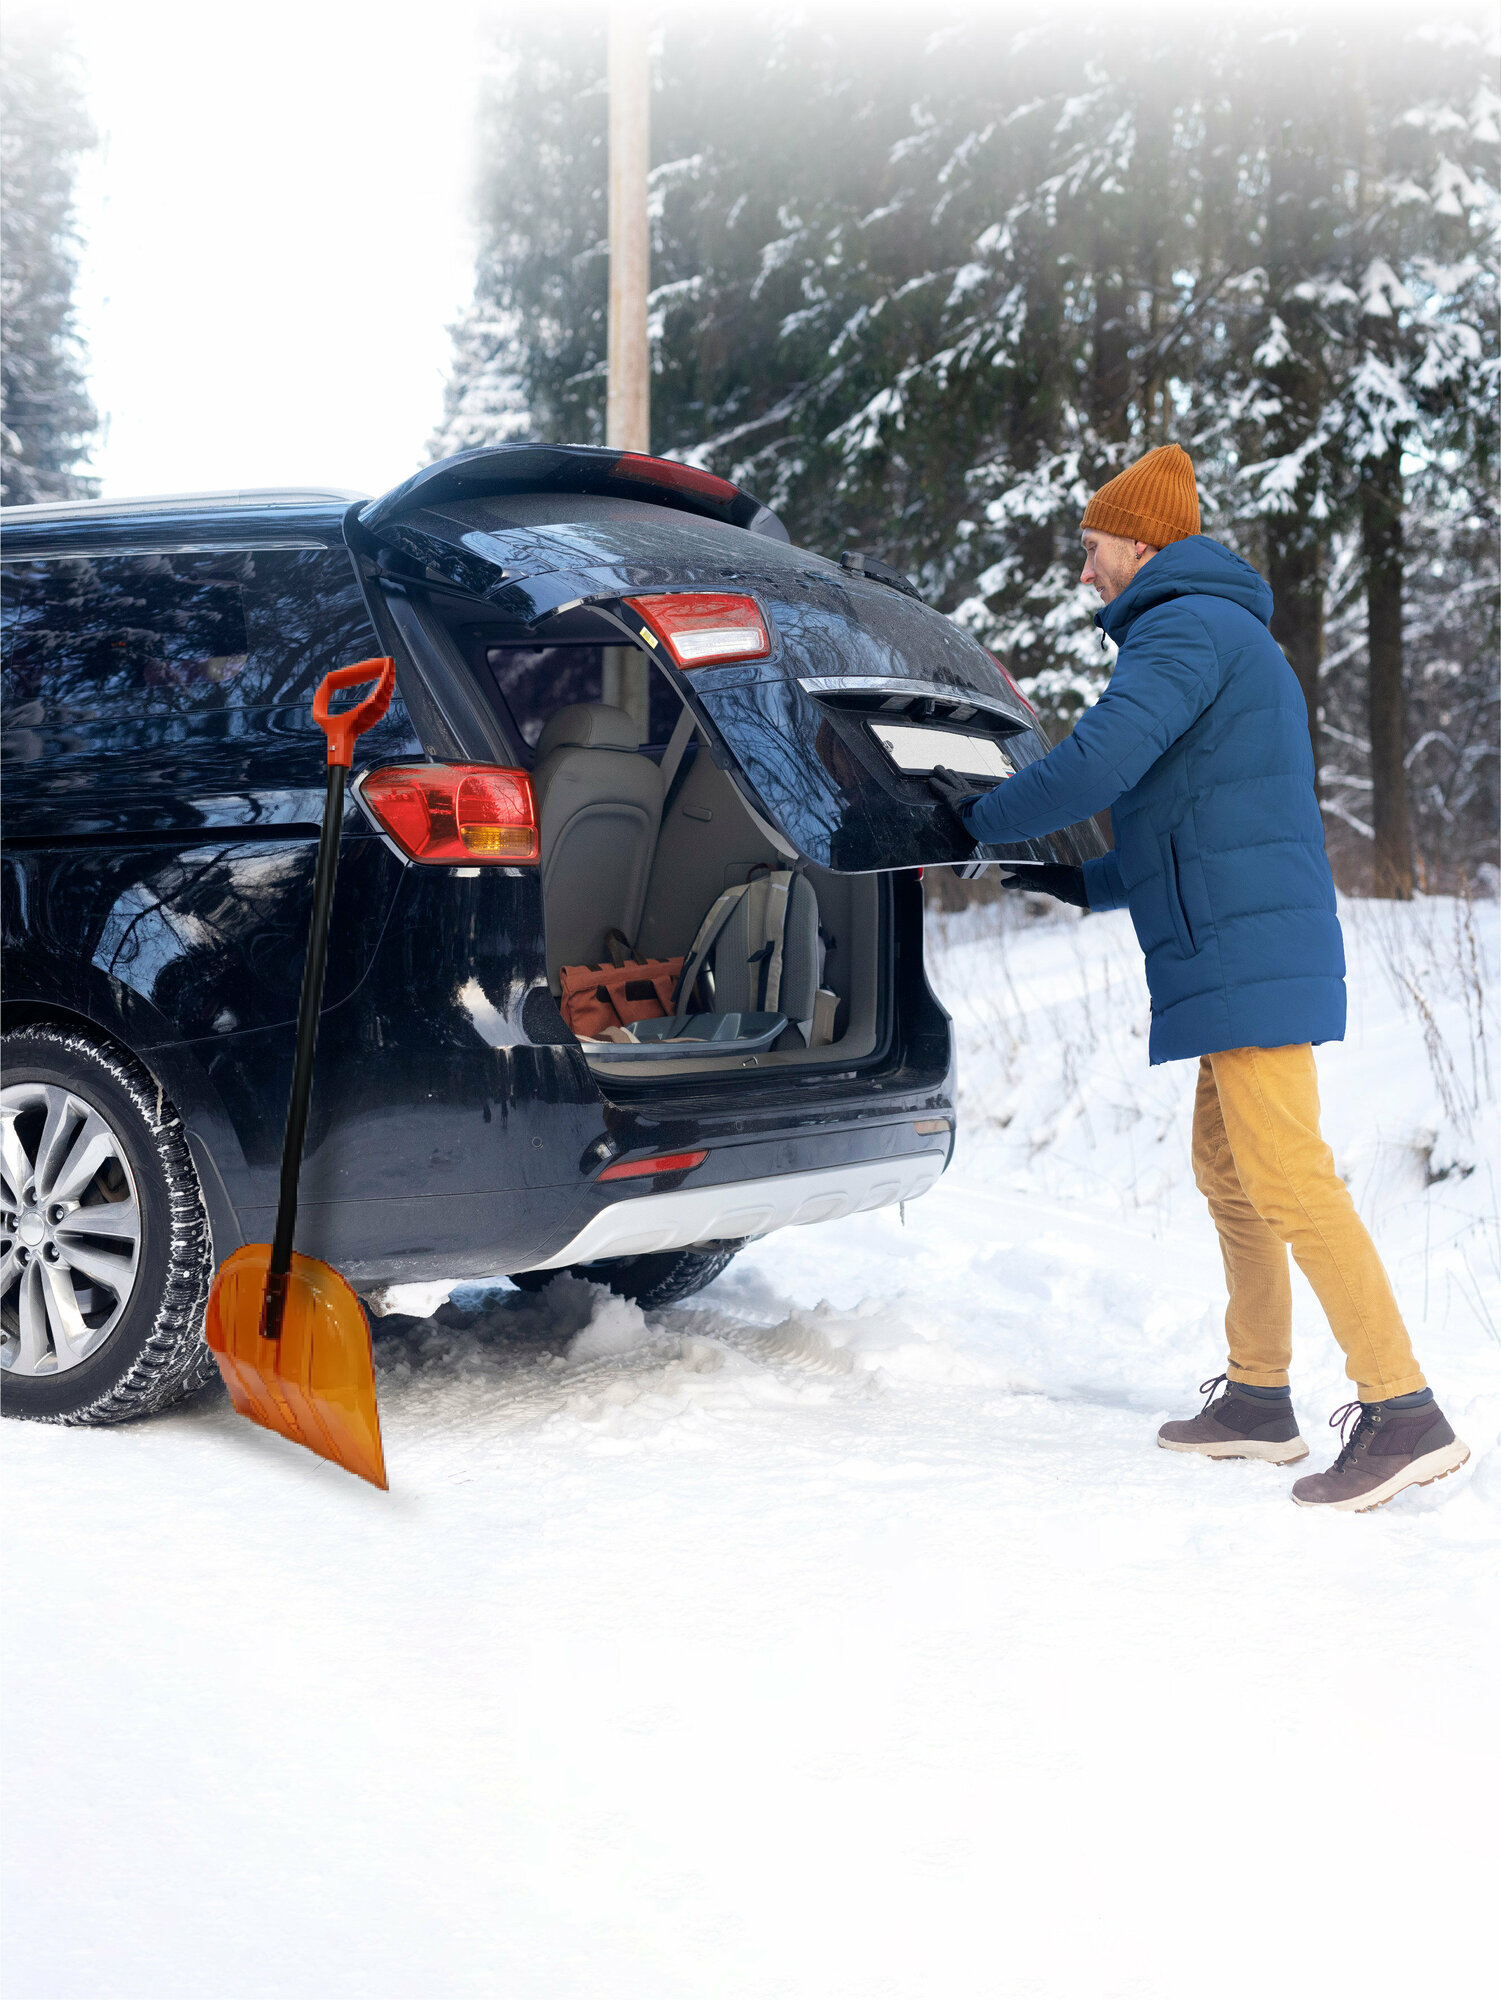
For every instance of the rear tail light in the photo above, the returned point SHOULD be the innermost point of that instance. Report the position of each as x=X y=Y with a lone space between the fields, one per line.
x=701 y=627
x=660 y=1163
x=455 y=812
x=1006 y=675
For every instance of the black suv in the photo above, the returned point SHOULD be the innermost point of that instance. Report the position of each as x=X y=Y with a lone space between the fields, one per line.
x=665 y=697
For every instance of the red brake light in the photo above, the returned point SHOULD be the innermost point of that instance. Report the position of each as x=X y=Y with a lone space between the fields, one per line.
x=660 y=1163
x=701 y=627
x=681 y=478
x=1010 y=682
x=455 y=812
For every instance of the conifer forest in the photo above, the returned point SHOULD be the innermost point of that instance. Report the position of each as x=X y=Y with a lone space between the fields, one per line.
x=923 y=280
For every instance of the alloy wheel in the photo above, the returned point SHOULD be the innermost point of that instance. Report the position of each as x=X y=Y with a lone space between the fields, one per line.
x=70 y=1229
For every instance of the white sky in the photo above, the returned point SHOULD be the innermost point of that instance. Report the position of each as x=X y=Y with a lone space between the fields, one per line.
x=278 y=227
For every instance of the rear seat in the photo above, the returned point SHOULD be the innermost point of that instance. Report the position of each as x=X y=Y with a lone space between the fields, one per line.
x=599 y=803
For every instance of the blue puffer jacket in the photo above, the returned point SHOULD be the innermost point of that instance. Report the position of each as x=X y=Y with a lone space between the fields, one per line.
x=1200 y=748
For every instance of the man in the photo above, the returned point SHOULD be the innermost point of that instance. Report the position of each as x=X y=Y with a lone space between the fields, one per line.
x=1200 y=748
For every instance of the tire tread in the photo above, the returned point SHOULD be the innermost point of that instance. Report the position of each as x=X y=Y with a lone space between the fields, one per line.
x=175 y=1360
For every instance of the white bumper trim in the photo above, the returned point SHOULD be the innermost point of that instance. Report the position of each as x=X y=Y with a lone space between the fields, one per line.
x=650 y=1222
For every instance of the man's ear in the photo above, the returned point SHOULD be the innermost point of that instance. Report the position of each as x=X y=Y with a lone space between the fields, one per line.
x=1145 y=549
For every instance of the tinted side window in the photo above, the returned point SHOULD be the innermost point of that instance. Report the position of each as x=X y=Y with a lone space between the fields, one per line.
x=118 y=637
x=306 y=615
x=535 y=681
x=124 y=634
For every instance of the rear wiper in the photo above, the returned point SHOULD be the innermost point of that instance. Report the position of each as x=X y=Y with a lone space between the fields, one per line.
x=859 y=564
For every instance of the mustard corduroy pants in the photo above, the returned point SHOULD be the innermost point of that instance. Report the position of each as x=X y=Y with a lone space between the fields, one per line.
x=1270 y=1183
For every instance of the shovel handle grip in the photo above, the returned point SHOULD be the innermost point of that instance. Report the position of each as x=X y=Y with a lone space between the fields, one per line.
x=342 y=729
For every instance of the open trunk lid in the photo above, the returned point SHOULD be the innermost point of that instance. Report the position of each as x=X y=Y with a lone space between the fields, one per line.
x=829 y=735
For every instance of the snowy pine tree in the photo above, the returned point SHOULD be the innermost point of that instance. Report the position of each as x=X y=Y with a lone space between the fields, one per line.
x=46 y=418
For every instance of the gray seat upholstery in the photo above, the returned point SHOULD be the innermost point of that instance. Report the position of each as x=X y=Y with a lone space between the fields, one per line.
x=599 y=802
x=740 y=977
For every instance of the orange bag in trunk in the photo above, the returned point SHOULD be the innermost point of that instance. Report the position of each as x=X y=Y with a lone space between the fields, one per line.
x=596 y=997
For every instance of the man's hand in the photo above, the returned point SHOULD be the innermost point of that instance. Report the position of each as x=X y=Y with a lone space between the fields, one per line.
x=954 y=792
x=1051 y=878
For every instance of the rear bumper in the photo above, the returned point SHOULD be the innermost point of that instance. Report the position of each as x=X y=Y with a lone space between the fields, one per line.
x=746 y=1187
x=736 y=1210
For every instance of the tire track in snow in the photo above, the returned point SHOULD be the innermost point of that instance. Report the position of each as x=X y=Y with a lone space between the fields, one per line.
x=577 y=1357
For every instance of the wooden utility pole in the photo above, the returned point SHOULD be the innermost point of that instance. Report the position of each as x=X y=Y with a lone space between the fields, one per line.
x=628 y=409
x=628 y=399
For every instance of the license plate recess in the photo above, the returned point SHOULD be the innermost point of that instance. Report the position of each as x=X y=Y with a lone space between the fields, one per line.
x=920 y=750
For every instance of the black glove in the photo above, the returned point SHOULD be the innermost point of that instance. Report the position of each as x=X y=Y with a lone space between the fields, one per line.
x=954 y=792
x=1051 y=878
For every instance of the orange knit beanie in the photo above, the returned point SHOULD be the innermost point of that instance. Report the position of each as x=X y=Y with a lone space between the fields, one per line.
x=1153 y=501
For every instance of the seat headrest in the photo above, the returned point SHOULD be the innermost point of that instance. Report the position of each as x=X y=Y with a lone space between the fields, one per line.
x=588 y=725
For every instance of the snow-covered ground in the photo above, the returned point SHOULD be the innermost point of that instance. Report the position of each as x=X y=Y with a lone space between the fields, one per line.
x=842 y=1634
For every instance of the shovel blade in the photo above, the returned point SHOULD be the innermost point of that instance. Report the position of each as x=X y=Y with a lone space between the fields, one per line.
x=316 y=1384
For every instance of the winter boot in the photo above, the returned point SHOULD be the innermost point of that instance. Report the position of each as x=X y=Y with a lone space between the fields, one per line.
x=1404 y=1442
x=1238 y=1425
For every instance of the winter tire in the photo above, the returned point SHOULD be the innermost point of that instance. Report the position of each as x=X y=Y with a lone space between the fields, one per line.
x=105 y=1253
x=662 y=1279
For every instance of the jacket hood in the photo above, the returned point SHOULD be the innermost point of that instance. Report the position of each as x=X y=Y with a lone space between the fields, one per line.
x=1194 y=567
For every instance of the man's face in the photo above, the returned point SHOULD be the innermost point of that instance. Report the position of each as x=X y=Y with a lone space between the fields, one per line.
x=1110 y=562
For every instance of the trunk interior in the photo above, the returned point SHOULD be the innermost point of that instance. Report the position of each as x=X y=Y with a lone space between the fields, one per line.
x=707 y=842
x=643 y=842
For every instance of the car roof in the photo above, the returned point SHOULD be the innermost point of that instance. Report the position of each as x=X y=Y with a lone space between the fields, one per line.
x=290 y=516
x=252 y=499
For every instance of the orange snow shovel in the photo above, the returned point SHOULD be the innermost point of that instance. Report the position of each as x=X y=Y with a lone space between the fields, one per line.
x=290 y=1337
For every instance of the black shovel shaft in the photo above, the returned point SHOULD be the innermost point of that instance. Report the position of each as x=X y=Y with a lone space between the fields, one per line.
x=307 y=1041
